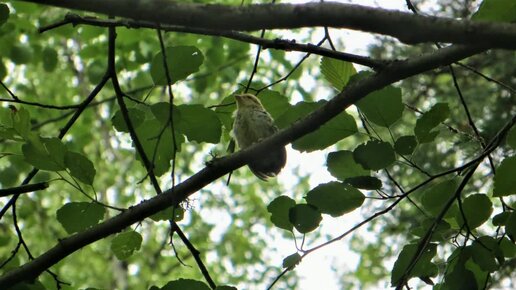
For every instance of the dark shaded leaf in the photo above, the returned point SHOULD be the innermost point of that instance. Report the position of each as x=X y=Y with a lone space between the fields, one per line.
x=80 y=167
x=342 y=165
x=279 y=209
x=125 y=244
x=181 y=62
x=305 y=217
x=78 y=216
x=383 y=107
x=335 y=198
x=374 y=155
x=504 y=180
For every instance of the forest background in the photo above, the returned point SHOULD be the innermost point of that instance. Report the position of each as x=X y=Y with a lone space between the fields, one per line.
x=116 y=148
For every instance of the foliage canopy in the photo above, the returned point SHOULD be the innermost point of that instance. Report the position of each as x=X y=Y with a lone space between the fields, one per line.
x=114 y=136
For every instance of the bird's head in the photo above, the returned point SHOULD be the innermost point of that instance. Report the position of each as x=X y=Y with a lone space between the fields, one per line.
x=248 y=101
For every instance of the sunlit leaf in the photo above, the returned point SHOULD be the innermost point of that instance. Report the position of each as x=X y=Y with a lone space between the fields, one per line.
x=337 y=72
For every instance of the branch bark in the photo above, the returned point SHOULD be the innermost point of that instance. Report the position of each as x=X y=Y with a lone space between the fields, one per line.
x=406 y=27
x=219 y=167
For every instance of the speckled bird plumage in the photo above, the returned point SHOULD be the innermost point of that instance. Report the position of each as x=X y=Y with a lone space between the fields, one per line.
x=252 y=124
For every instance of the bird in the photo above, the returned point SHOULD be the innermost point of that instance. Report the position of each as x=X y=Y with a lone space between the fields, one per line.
x=252 y=124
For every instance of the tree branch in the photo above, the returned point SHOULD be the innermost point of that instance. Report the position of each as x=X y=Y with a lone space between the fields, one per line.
x=406 y=27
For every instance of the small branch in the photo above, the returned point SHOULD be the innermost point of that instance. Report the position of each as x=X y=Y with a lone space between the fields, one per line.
x=23 y=189
x=280 y=44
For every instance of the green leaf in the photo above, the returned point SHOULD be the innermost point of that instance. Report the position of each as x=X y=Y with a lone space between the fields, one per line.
x=511 y=137
x=335 y=198
x=3 y=70
x=78 y=216
x=224 y=287
x=49 y=58
x=374 y=155
x=441 y=232
x=364 y=182
x=274 y=102
x=501 y=218
x=342 y=165
x=182 y=61
x=405 y=145
x=504 y=181
x=508 y=248
x=95 y=72
x=510 y=226
x=338 y=128
x=183 y=284
x=158 y=144
x=162 y=112
x=496 y=10
x=199 y=124
x=461 y=279
x=4 y=13
x=383 y=107
x=337 y=72
x=434 y=198
x=125 y=244
x=291 y=261
x=483 y=257
x=80 y=167
x=175 y=213
x=428 y=121
x=135 y=115
x=20 y=120
x=45 y=153
x=279 y=210
x=477 y=209
x=423 y=268
x=225 y=111
x=305 y=217
x=21 y=54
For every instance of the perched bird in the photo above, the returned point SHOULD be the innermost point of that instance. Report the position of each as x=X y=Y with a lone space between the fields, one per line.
x=252 y=124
